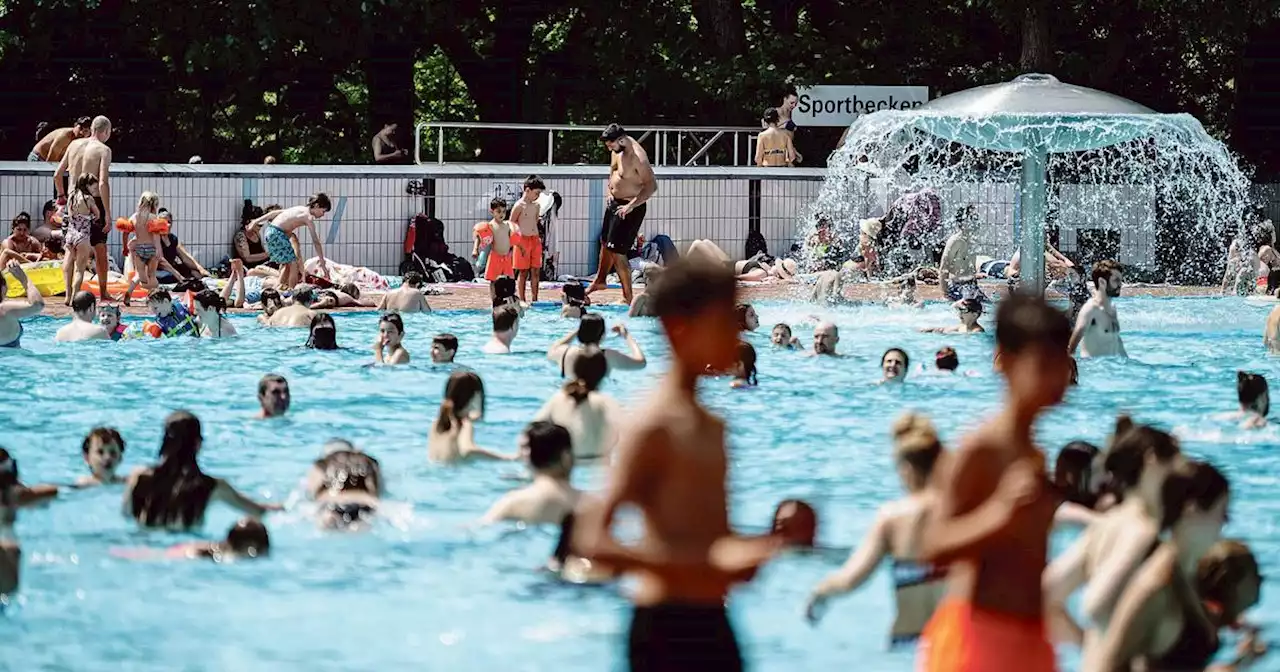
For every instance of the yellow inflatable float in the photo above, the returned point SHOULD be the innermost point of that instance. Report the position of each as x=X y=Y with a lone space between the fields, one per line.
x=45 y=275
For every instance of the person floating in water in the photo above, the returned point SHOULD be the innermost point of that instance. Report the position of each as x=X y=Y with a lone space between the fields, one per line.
x=991 y=521
x=671 y=463
x=103 y=449
x=273 y=396
x=246 y=540
x=1255 y=400
x=388 y=348
x=918 y=586
x=1097 y=331
x=347 y=485
x=550 y=497
x=969 y=310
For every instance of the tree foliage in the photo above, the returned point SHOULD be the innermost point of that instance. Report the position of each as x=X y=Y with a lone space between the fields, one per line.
x=310 y=82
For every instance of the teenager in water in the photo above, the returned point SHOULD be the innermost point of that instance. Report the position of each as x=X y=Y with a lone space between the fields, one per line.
x=994 y=511
x=918 y=586
x=452 y=437
x=589 y=415
x=347 y=484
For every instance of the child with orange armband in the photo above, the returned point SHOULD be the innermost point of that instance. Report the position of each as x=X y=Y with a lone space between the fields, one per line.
x=994 y=510
x=147 y=227
x=499 y=229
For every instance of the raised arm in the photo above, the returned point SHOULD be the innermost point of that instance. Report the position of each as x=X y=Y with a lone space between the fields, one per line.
x=628 y=361
x=557 y=350
x=20 y=309
x=467 y=446
x=857 y=569
x=223 y=492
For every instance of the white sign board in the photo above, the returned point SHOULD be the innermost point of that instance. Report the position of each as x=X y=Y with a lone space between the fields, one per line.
x=840 y=105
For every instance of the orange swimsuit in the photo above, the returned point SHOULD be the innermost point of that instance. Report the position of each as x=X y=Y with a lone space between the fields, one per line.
x=964 y=638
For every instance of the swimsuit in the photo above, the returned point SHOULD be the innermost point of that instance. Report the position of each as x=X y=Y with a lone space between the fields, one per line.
x=178 y=323
x=682 y=638
x=908 y=574
x=34 y=157
x=279 y=245
x=17 y=341
x=144 y=251
x=527 y=251
x=963 y=637
x=118 y=333
x=78 y=229
x=619 y=233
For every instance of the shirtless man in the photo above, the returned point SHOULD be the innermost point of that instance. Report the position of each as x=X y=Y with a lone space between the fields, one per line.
x=631 y=184
x=550 y=497
x=54 y=144
x=21 y=247
x=407 y=298
x=1097 y=331
x=296 y=314
x=773 y=145
x=91 y=155
x=825 y=339
x=273 y=396
x=84 y=307
x=670 y=463
x=957 y=270
x=994 y=510
x=280 y=236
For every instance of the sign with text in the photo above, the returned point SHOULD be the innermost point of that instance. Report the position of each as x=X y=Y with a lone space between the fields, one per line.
x=838 y=105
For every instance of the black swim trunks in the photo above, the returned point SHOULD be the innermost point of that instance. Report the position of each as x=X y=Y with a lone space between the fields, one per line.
x=680 y=637
x=619 y=233
x=97 y=236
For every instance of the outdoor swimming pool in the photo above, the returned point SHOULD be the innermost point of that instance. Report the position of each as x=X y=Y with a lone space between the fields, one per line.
x=421 y=591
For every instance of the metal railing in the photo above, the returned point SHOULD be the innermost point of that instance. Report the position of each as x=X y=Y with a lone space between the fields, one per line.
x=701 y=140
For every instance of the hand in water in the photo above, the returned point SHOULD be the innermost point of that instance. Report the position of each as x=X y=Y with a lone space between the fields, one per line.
x=815 y=608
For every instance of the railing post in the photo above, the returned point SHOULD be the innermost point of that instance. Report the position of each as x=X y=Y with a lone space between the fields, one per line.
x=417 y=144
x=440 y=146
x=551 y=136
x=679 y=149
x=735 y=148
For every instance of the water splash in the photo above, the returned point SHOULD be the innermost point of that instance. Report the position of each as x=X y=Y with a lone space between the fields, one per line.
x=1152 y=190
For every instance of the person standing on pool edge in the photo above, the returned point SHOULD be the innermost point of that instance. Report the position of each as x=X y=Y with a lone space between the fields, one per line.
x=631 y=185
x=91 y=155
x=280 y=236
x=673 y=461
x=526 y=244
x=994 y=510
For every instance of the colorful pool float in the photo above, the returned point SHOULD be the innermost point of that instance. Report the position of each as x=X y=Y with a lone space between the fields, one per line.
x=45 y=275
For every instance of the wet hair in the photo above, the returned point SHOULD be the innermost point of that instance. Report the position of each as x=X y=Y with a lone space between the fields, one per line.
x=1073 y=471
x=613 y=132
x=249 y=537
x=742 y=309
x=784 y=325
x=158 y=295
x=268 y=380
x=323 y=334
x=803 y=517
x=771 y=116
x=971 y=306
x=589 y=368
x=1127 y=455
x=1250 y=388
x=413 y=279
x=320 y=200
x=84 y=122
x=446 y=341
x=548 y=443
x=946 y=359
x=104 y=436
x=211 y=300
x=916 y=444
x=505 y=318
x=747 y=356
x=175 y=491
x=1228 y=563
x=271 y=296
x=349 y=469
x=591 y=329
x=502 y=288
x=688 y=287
x=459 y=390
x=906 y=359
x=394 y=320
x=83 y=301
x=1024 y=321
x=1103 y=270
x=350 y=289
x=574 y=292
x=534 y=182
x=497 y=203
x=1197 y=484
x=304 y=295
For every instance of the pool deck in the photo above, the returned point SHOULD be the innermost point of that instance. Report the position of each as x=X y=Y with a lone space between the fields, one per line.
x=475 y=298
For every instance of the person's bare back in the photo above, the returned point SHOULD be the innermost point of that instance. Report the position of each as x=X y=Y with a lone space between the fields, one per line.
x=404 y=299
x=291 y=219
x=54 y=144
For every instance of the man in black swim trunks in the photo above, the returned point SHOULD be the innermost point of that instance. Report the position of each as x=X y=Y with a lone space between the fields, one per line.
x=631 y=185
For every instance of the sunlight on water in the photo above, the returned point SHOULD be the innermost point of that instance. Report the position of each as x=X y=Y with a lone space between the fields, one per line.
x=421 y=591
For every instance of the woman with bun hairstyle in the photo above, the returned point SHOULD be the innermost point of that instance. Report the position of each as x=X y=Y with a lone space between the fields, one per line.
x=583 y=409
x=918 y=586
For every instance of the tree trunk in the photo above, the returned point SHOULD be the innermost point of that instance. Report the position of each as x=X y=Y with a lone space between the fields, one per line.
x=720 y=22
x=1037 y=47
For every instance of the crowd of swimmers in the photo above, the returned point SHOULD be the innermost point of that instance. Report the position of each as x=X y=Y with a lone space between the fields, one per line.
x=968 y=544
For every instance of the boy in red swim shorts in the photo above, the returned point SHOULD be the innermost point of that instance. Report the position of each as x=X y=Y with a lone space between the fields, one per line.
x=995 y=508
x=499 y=229
x=525 y=240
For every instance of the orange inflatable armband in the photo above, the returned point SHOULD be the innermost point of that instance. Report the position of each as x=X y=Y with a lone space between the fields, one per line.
x=123 y=224
x=152 y=329
x=158 y=226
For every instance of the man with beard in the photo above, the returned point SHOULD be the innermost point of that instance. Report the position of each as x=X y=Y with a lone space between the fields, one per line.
x=1097 y=329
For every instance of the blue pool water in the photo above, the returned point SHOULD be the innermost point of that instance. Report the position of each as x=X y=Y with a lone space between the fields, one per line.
x=422 y=591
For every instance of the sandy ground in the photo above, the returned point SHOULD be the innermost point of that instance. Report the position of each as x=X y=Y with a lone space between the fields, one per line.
x=478 y=297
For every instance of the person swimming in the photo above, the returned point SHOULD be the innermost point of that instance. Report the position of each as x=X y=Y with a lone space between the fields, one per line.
x=893 y=364
x=209 y=307
x=1078 y=474
x=323 y=334
x=919 y=586
x=550 y=497
x=452 y=436
x=748 y=320
x=781 y=336
x=589 y=415
x=347 y=484
x=1255 y=400
x=744 y=372
x=246 y=540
